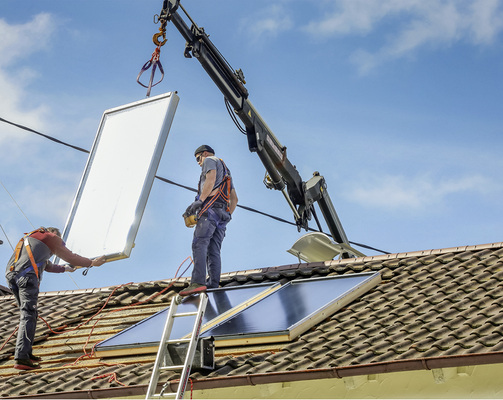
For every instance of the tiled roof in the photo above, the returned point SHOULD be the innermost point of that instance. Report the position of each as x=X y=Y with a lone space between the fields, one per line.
x=435 y=308
x=4 y=290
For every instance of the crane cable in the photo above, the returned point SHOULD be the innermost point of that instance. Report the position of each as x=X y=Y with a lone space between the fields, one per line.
x=183 y=186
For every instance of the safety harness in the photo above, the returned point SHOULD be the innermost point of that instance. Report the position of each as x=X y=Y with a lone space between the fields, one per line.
x=19 y=246
x=224 y=191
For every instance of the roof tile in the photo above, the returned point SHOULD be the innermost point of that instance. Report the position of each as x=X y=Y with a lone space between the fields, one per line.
x=445 y=343
x=484 y=254
x=456 y=350
x=430 y=304
x=446 y=258
x=491 y=340
x=464 y=256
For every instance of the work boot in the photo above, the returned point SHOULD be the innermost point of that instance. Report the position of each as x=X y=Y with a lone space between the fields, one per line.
x=192 y=289
x=25 y=364
x=35 y=358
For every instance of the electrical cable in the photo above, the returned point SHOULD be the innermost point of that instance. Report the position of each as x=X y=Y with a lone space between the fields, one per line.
x=273 y=216
x=233 y=116
x=10 y=244
x=46 y=136
x=185 y=187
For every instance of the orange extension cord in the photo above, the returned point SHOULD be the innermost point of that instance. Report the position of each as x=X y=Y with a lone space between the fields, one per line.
x=112 y=376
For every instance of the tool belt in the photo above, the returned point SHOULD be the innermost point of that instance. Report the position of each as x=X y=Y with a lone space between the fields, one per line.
x=218 y=204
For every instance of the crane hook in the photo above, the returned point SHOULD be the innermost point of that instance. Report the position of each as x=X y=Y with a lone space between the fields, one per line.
x=162 y=33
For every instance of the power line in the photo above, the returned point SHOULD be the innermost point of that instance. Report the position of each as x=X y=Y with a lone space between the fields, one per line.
x=46 y=136
x=12 y=247
x=179 y=185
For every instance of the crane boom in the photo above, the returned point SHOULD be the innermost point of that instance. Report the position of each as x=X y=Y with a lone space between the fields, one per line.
x=281 y=174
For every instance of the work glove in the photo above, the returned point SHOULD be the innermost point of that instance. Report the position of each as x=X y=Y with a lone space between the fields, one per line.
x=69 y=268
x=193 y=208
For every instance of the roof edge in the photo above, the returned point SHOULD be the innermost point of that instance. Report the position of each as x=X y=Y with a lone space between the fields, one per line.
x=290 y=376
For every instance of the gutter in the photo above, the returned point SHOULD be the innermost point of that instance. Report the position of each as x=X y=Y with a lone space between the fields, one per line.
x=289 y=376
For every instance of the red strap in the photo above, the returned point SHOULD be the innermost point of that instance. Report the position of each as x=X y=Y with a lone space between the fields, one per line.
x=30 y=254
x=28 y=250
x=226 y=182
x=18 y=250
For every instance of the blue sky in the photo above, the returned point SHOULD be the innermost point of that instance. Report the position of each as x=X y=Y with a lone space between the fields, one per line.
x=399 y=105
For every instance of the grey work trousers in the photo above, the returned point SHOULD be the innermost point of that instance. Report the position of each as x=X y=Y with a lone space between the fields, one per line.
x=208 y=237
x=25 y=290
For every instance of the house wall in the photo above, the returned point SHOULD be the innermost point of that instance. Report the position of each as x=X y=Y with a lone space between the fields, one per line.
x=483 y=381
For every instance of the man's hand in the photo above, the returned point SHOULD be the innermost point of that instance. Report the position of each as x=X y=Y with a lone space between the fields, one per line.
x=97 y=262
x=69 y=268
x=193 y=208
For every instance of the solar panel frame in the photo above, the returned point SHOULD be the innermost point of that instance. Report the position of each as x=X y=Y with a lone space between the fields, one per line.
x=359 y=285
x=269 y=333
x=143 y=336
x=108 y=206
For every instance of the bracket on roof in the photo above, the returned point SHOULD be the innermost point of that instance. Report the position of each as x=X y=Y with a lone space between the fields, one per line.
x=317 y=246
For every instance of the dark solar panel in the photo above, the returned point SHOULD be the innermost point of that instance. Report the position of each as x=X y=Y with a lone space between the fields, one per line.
x=150 y=330
x=290 y=310
x=289 y=306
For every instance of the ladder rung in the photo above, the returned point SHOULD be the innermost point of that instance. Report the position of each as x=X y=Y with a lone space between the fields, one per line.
x=172 y=367
x=163 y=347
x=185 y=314
x=178 y=341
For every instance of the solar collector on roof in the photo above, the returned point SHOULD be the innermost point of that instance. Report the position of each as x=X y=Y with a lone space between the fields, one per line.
x=147 y=333
x=251 y=314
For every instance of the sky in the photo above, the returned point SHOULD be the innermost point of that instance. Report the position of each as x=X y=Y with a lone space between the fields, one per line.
x=398 y=104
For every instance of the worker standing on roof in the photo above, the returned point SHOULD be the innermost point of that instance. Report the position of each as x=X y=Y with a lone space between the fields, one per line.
x=216 y=200
x=24 y=273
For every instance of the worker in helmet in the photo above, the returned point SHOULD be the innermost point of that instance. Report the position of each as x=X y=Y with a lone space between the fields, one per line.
x=24 y=273
x=215 y=202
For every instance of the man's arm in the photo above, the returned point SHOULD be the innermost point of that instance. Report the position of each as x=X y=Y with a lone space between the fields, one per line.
x=209 y=184
x=57 y=246
x=233 y=201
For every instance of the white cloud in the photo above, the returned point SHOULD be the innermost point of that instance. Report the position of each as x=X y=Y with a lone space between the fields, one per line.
x=18 y=43
x=413 y=24
x=393 y=192
x=271 y=21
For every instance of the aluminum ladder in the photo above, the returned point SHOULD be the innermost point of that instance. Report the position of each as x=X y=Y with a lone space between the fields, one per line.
x=160 y=361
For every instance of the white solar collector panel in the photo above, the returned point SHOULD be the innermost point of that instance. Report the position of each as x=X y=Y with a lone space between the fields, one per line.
x=109 y=204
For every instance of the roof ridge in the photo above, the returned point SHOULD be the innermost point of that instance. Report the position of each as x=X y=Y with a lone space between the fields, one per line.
x=383 y=257
x=420 y=253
